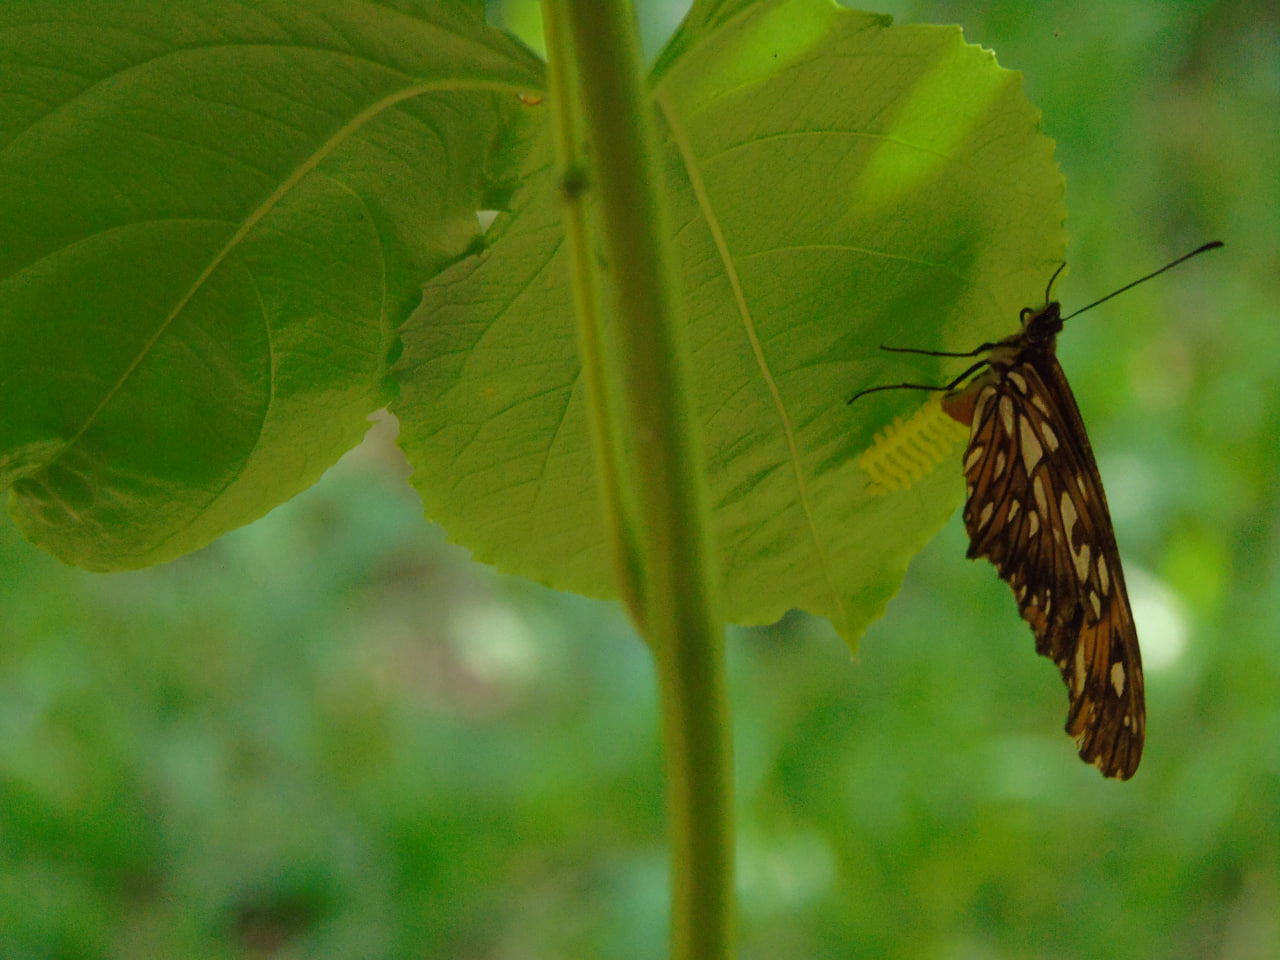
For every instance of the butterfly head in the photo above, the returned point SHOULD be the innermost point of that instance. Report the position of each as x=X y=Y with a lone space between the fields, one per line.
x=1040 y=327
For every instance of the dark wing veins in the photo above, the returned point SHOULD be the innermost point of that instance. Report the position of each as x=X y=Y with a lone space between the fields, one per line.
x=1036 y=509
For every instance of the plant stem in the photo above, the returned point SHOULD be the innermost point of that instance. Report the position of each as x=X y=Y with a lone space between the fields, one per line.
x=580 y=239
x=658 y=463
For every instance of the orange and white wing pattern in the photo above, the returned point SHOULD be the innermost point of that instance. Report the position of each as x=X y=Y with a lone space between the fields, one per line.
x=1036 y=509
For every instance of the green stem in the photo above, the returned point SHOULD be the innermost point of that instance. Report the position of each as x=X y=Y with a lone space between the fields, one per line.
x=659 y=466
x=572 y=156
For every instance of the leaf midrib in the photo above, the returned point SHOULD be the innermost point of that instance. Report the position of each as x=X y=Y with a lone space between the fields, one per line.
x=255 y=217
x=692 y=169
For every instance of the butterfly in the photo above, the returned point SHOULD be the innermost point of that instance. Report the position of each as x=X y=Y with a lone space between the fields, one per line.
x=1036 y=509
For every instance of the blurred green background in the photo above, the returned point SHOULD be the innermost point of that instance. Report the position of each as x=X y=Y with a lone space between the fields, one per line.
x=332 y=735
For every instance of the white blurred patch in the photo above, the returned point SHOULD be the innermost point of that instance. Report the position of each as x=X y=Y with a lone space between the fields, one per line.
x=784 y=874
x=485 y=218
x=494 y=645
x=1161 y=619
x=1131 y=484
x=1025 y=766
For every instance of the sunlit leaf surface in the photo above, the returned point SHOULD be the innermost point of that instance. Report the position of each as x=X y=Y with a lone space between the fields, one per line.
x=836 y=183
x=215 y=215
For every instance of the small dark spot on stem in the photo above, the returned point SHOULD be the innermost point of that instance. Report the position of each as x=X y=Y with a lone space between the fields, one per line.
x=574 y=183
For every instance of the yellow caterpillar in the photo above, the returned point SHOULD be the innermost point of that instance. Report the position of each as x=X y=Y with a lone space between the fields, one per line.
x=907 y=450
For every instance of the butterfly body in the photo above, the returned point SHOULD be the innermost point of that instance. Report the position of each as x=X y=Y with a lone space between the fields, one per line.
x=1035 y=508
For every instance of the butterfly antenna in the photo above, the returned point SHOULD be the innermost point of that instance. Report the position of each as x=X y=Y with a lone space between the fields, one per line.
x=1049 y=286
x=1129 y=286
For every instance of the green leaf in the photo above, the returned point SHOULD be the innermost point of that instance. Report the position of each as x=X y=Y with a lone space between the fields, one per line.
x=835 y=183
x=215 y=216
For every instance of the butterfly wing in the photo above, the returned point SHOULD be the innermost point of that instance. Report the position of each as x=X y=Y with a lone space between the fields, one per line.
x=1036 y=509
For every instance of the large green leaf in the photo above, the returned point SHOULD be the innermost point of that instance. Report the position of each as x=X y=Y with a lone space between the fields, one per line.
x=836 y=183
x=213 y=217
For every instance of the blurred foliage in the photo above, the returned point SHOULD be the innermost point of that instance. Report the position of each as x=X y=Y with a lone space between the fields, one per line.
x=331 y=735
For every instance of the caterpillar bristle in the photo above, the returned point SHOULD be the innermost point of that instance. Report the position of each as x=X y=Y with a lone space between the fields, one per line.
x=909 y=449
